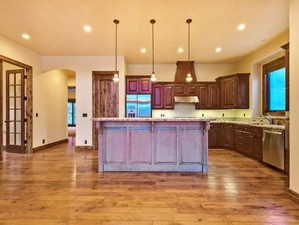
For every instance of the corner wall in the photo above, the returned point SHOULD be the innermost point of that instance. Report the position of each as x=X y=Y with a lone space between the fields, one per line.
x=294 y=95
x=83 y=67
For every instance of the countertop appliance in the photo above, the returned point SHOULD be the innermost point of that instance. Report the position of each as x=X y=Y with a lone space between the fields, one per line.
x=274 y=148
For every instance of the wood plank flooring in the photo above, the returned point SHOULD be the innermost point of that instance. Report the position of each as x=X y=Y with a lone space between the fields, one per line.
x=58 y=186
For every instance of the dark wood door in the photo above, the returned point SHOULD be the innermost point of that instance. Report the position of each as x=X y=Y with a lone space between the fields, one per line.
x=191 y=90
x=228 y=136
x=157 y=97
x=168 y=97
x=105 y=98
x=15 y=111
x=213 y=136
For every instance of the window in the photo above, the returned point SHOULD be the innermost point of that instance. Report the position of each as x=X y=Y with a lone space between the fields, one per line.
x=275 y=86
x=71 y=111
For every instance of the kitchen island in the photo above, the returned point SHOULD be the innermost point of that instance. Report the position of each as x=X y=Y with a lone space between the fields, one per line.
x=149 y=144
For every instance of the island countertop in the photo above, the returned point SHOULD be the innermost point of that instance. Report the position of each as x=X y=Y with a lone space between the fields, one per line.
x=121 y=119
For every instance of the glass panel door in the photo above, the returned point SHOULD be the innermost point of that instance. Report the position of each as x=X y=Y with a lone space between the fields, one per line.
x=15 y=111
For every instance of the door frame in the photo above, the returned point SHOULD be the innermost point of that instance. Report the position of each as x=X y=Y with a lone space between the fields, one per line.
x=29 y=102
x=107 y=75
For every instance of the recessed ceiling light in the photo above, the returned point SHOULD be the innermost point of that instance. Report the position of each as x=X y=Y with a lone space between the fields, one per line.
x=241 y=27
x=26 y=36
x=143 y=50
x=87 y=28
x=219 y=49
x=180 y=50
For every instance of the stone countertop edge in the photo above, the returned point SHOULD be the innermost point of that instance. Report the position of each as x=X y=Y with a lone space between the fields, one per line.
x=114 y=119
x=270 y=126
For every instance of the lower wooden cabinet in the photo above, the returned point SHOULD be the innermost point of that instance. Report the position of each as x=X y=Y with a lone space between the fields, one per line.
x=244 y=139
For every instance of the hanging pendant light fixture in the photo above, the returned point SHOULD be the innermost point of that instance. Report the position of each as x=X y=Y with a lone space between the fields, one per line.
x=153 y=76
x=116 y=76
x=189 y=75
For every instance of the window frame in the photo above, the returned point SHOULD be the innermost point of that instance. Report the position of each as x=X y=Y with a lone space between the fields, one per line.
x=73 y=101
x=268 y=68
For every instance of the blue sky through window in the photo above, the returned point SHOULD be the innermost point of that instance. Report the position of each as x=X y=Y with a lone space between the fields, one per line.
x=277 y=90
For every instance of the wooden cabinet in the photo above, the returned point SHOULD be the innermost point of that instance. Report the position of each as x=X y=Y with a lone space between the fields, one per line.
x=185 y=89
x=208 y=96
x=248 y=141
x=138 y=85
x=158 y=97
x=234 y=91
x=163 y=96
x=168 y=97
x=228 y=135
x=245 y=139
x=179 y=89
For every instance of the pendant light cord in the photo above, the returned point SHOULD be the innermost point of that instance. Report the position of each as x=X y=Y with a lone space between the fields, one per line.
x=189 y=21
x=153 y=46
x=116 y=36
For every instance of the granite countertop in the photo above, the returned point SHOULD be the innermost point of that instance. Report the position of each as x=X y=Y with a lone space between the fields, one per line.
x=271 y=126
x=116 y=119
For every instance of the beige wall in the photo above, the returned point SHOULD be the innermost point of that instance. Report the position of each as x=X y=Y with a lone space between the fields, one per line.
x=294 y=95
x=53 y=107
x=253 y=62
x=83 y=67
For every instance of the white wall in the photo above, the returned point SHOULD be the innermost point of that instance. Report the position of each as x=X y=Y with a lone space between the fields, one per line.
x=83 y=67
x=53 y=107
x=294 y=95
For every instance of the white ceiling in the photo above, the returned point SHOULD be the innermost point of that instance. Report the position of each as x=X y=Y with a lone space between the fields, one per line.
x=56 y=27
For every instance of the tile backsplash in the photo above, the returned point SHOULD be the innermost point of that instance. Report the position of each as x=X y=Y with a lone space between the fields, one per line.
x=188 y=110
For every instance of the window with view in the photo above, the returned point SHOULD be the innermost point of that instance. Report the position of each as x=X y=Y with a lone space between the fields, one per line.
x=275 y=81
x=71 y=107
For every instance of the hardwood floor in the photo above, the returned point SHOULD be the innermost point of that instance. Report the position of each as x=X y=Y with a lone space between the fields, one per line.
x=58 y=186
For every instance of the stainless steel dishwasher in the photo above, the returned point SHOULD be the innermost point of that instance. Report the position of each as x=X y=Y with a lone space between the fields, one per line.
x=274 y=148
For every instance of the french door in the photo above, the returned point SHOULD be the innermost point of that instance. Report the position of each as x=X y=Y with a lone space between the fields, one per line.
x=15 y=111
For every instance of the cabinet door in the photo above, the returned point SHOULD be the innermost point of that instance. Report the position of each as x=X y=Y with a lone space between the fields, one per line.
x=213 y=96
x=191 y=90
x=228 y=89
x=132 y=86
x=157 y=97
x=179 y=89
x=168 y=97
x=213 y=136
x=144 y=86
x=228 y=136
x=203 y=97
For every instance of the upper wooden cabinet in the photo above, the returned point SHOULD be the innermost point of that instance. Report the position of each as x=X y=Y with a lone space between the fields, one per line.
x=208 y=94
x=163 y=96
x=138 y=85
x=234 y=91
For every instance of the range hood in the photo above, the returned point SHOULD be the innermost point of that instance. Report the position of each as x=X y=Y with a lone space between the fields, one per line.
x=183 y=68
x=186 y=99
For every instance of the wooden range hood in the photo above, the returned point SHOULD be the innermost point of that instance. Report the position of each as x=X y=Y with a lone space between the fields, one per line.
x=183 y=68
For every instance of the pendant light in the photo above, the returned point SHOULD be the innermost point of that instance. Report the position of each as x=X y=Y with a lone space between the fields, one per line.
x=189 y=75
x=153 y=76
x=116 y=76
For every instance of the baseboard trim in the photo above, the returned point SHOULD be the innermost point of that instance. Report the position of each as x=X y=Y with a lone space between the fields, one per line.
x=43 y=147
x=294 y=195
x=79 y=147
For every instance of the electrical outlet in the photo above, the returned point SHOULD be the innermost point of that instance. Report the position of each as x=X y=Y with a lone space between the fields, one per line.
x=222 y=114
x=43 y=141
x=244 y=114
x=36 y=114
x=203 y=115
x=85 y=142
